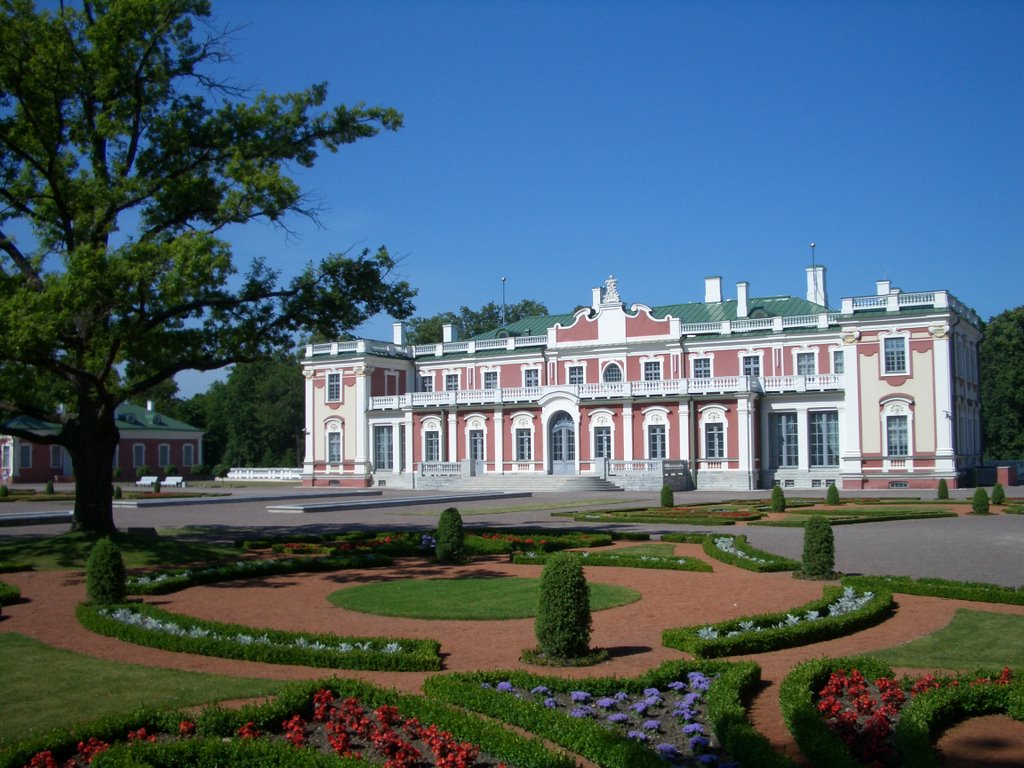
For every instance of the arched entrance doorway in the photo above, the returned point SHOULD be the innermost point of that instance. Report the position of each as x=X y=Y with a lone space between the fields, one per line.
x=562 y=443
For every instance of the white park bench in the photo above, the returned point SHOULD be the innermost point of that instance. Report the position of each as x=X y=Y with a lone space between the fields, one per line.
x=147 y=480
x=174 y=481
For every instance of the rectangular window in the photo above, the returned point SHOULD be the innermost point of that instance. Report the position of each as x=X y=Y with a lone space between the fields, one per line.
x=432 y=445
x=188 y=455
x=5 y=456
x=805 y=364
x=333 y=387
x=838 y=361
x=785 y=441
x=334 y=447
x=451 y=382
x=652 y=370
x=824 y=438
x=656 y=441
x=714 y=441
x=164 y=455
x=575 y=374
x=383 y=447
x=702 y=368
x=25 y=457
x=897 y=436
x=531 y=377
x=602 y=442
x=56 y=457
x=427 y=383
x=138 y=455
x=896 y=355
x=524 y=445
x=751 y=365
x=490 y=379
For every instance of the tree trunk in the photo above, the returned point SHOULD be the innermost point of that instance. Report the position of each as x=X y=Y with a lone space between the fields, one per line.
x=91 y=439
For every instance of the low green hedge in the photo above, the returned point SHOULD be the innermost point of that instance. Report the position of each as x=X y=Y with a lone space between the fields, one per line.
x=279 y=648
x=216 y=724
x=960 y=590
x=211 y=752
x=590 y=738
x=9 y=593
x=771 y=639
x=623 y=561
x=847 y=518
x=772 y=563
x=6 y=566
x=162 y=583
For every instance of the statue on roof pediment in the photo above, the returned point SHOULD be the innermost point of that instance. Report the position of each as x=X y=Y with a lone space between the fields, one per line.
x=611 y=291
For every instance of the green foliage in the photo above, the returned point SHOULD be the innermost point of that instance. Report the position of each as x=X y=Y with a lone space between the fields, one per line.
x=746 y=556
x=1001 y=374
x=956 y=590
x=943 y=490
x=486 y=541
x=49 y=487
x=468 y=322
x=118 y=493
x=998 y=494
x=624 y=561
x=221 y=471
x=450 y=538
x=170 y=469
x=779 y=633
x=563 y=619
x=979 y=503
x=9 y=593
x=105 y=574
x=142 y=471
x=156 y=487
x=819 y=557
x=832 y=496
x=778 y=499
x=667 y=496
x=4 y=491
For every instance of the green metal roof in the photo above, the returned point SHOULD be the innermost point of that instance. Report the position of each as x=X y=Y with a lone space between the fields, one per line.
x=129 y=417
x=536 y=325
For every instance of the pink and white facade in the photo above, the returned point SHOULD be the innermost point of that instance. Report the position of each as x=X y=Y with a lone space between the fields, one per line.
x=749 y=392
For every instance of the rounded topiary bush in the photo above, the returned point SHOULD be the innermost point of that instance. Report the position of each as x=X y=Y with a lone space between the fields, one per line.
x=979 y=504
x=832 y=496
x=49 y=487
x=778 y=499
x=4 y=491
x=998 y=494
x=943 y=489
x=668 y=496
x=563 y=619
x=819 y=549
x=104 y=574
x=450 y=537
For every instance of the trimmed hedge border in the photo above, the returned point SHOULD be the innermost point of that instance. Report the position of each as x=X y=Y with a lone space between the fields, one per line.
x=248 y=569
x=478 y=543
x=623 y=561
x=216 y=723
x=773 y=563
x=417 y=655
x=590 y=739
x=960 y=590
x=803 y=633
x=843 y=518
x=8 y=594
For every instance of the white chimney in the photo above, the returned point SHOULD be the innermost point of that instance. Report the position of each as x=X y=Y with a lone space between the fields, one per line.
x=712 y=290
x=816 y=285
x=595 y=297
x=883 y=288
x=450 y=333
x=398 y=333
x=742 y=310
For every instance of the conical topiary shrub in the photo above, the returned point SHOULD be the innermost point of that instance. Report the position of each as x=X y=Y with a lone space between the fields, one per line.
x=979 y=504
x=104 y=574
x=819 y=549
x=832 y=496
x=450 y=538
x=563 y=619
x=668 y=497
x=943 y=490
x=998 y=494
x=778 y=499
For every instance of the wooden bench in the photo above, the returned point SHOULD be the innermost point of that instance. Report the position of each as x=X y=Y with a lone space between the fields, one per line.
x=174 y=481
x=147 y=480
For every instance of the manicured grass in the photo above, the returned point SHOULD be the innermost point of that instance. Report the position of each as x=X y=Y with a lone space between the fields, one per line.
x=71 y=550
x=47 y=688
x=468 y=599
x=972 y=639
x=653 y=549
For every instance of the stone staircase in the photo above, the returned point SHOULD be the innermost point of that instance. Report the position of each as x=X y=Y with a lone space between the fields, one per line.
x=519 y=482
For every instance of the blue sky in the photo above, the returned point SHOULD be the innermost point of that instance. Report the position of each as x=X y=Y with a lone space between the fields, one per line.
x=555 y=143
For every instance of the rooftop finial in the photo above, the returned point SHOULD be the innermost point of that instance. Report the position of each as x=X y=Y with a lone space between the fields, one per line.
x=611 y=290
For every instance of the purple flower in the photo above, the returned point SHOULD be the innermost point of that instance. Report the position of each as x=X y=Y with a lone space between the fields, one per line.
x=505 y=686
x=621 y=696
x=583 y=711
x=691 y=728
x=690 y=699
x=707 y=759
x=640 y=707
x=698 y=743
x=540 y=689
x=653 y=701
x=485 y=685
x=651 y=725
x=550 y=703
x=618 y=717
x=698 y=681
x=637 y=736
x=579 y=696
x=605 y=702
x=677 y=685
x=667 y=751
x=683 y=712
x=651 y=692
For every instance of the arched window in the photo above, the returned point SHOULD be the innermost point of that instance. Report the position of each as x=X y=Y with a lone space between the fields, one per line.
x=612 y=373
x=333 y=442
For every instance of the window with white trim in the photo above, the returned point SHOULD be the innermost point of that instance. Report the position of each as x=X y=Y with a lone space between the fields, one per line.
x=138 y=455
x=56 y=457
x=427 y=383
x=333 y=387
x=714 y=441
x=657 y=443
x=383 y=447
x=838 y=361
x=531 y=377
x=333 y=443
x=188 y=455
x=25 y=455
x=432 y=445
x=524 y=444
x=602 y=442
x=702 y=368
x=451 y=382
x=806 y=364
x=575 y=374
x=612 y=373
x=824 y=438
x=895 y=355
x=5 y=457
x=785 y=439
x=897 y=436
x=652 y=370
x=490 y=379
x=163 y=455
x=751 y=365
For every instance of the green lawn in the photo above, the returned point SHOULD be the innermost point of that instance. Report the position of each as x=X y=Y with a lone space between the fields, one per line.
x=652 y=549
x=45 y=688
x=473 y=599
x=972 y=639
x=71 y=550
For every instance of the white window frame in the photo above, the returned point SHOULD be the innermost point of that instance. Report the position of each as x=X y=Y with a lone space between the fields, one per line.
x=522 y=424
x=427 y=382
x=490 y=374
x=714 y=414
x=333 y=383
x=188 y=455
x=602 y=420
x=776 y=454
x=24 y=450
x=388 y=456
x=745 y=358
x=652 y=370
x=616 y=365
x=427 y=426
x=449 y=379
x=475 y=423
x=702 y=359
x=56 y=457
x=810 y=440
x=137 y=459
x=799 y=354
x=904 y=340
x=334 y=433
x=163 y=451
x=896 y=408
x=838 y=354
x=656 y=416
x=529 y=373
x=572 y=369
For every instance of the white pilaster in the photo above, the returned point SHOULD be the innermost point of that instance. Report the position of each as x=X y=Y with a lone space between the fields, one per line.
x=396 y=448
x=945 y=404
x=499 y=441
x=803 y=444
x=361 y=415
x=684 y=431
x=453 y=438
x=311 y=432
x=745 y=415
x=627 y=432
x=409 y=442
x=849 y=433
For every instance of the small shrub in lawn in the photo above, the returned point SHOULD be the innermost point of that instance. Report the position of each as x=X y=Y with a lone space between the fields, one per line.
x=778 y=499
x=943 y=489
x=104 y=574
x=118 y=493
x=450 y=538
x=563 y=619
x=979 y=504
x=49 y=487
x=998 y=494
x=832 y=496
x=156 y=487
x=668 y=497
x=4 y=491
x=819 y=549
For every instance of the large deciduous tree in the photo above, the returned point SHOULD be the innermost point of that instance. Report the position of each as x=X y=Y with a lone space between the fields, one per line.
x=123 y=159
x=471 y=322
x=1001 y=364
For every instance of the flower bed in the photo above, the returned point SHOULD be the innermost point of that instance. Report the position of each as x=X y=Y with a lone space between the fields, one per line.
x=734 y=550
x=839 y=612
x=146 y=625
x=691 y=515
x=306 y=725
x=958 y=590
x=623 y=561
x=620 y=722
x=486 y=542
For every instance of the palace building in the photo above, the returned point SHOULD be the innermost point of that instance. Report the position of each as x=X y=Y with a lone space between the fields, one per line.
x=740 y=393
